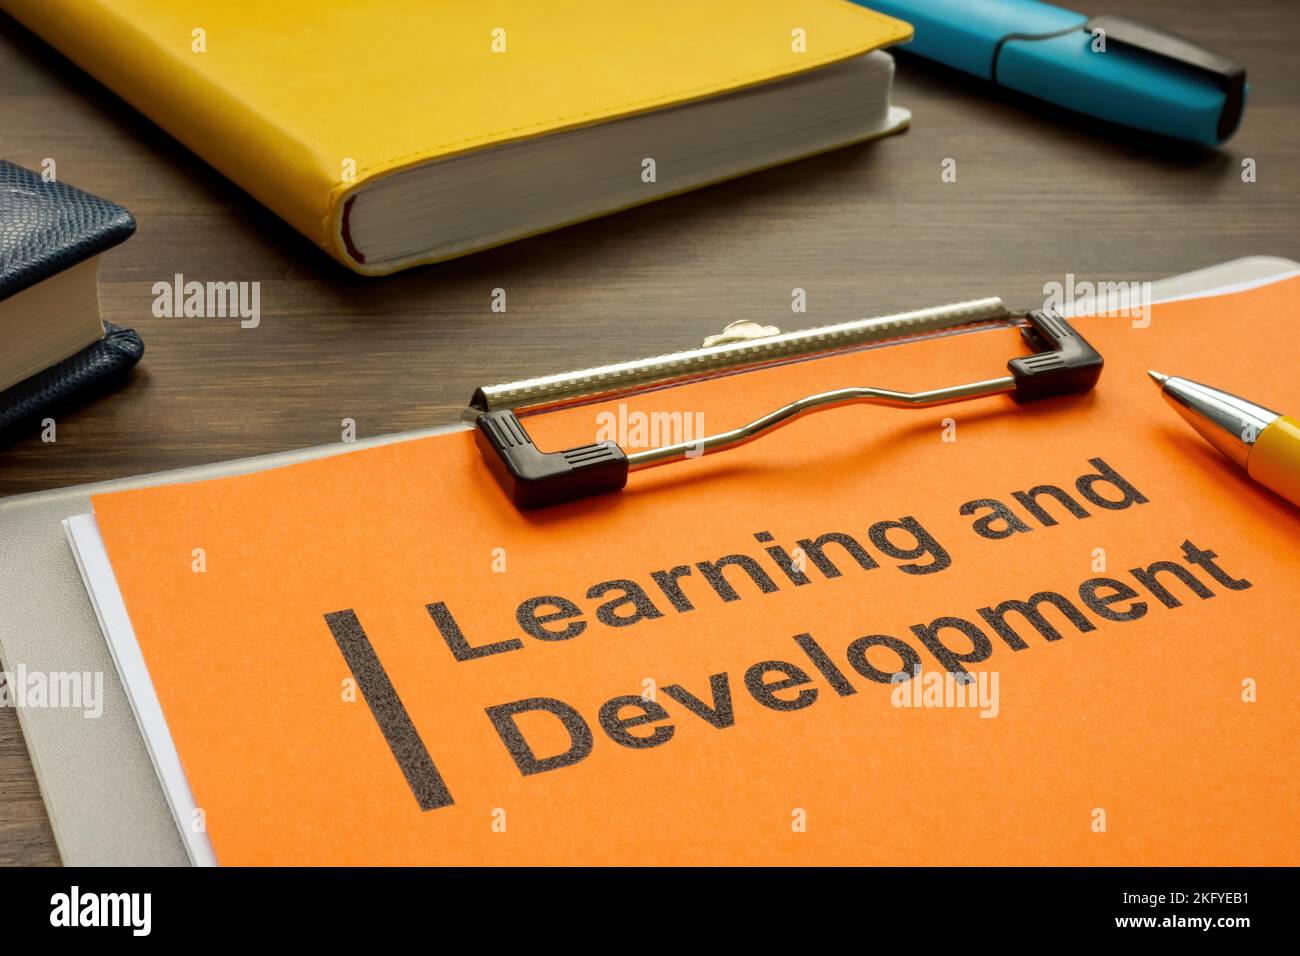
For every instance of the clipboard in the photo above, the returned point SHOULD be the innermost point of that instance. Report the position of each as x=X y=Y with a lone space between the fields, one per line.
x=105 y=801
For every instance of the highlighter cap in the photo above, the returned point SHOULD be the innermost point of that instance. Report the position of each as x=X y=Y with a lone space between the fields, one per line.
x=1113 y=68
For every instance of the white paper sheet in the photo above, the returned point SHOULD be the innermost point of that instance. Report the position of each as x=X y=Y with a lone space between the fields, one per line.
x=101 y=584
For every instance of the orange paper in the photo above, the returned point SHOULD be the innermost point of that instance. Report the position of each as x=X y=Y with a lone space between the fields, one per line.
x=1167 y=739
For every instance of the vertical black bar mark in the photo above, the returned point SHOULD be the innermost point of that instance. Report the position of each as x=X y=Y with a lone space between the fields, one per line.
x=389 y=712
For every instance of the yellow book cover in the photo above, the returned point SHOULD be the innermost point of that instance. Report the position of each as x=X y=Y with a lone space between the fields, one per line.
x=307 y=104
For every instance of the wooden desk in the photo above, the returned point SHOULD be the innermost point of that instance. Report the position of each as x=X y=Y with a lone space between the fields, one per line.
x=865 y=230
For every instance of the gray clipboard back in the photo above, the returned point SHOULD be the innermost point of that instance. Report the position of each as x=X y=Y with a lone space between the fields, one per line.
x=103 y=797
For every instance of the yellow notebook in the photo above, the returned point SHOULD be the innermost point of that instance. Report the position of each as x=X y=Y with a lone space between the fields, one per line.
x=333 y=115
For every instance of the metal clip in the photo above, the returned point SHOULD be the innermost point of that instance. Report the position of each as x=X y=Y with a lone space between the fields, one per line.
x=1063 y=363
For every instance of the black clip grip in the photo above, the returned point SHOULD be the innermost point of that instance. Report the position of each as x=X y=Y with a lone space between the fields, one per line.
x=1063 y=364
x=538 y=479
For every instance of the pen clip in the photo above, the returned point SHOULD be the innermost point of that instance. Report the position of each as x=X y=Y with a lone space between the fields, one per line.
x=1229 y=74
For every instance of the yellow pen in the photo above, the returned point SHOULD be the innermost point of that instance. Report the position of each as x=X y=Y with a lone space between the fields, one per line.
x=1265 y=443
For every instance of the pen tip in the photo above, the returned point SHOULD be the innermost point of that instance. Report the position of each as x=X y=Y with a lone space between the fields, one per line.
x=1158 y=377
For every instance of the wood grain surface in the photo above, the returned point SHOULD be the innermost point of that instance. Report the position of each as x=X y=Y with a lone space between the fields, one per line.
x=864 y=230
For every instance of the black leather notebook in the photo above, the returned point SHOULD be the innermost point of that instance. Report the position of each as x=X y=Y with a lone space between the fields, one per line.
x=47 y=229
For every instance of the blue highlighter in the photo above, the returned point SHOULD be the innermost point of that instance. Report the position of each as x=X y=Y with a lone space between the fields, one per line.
x=1109 y=67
